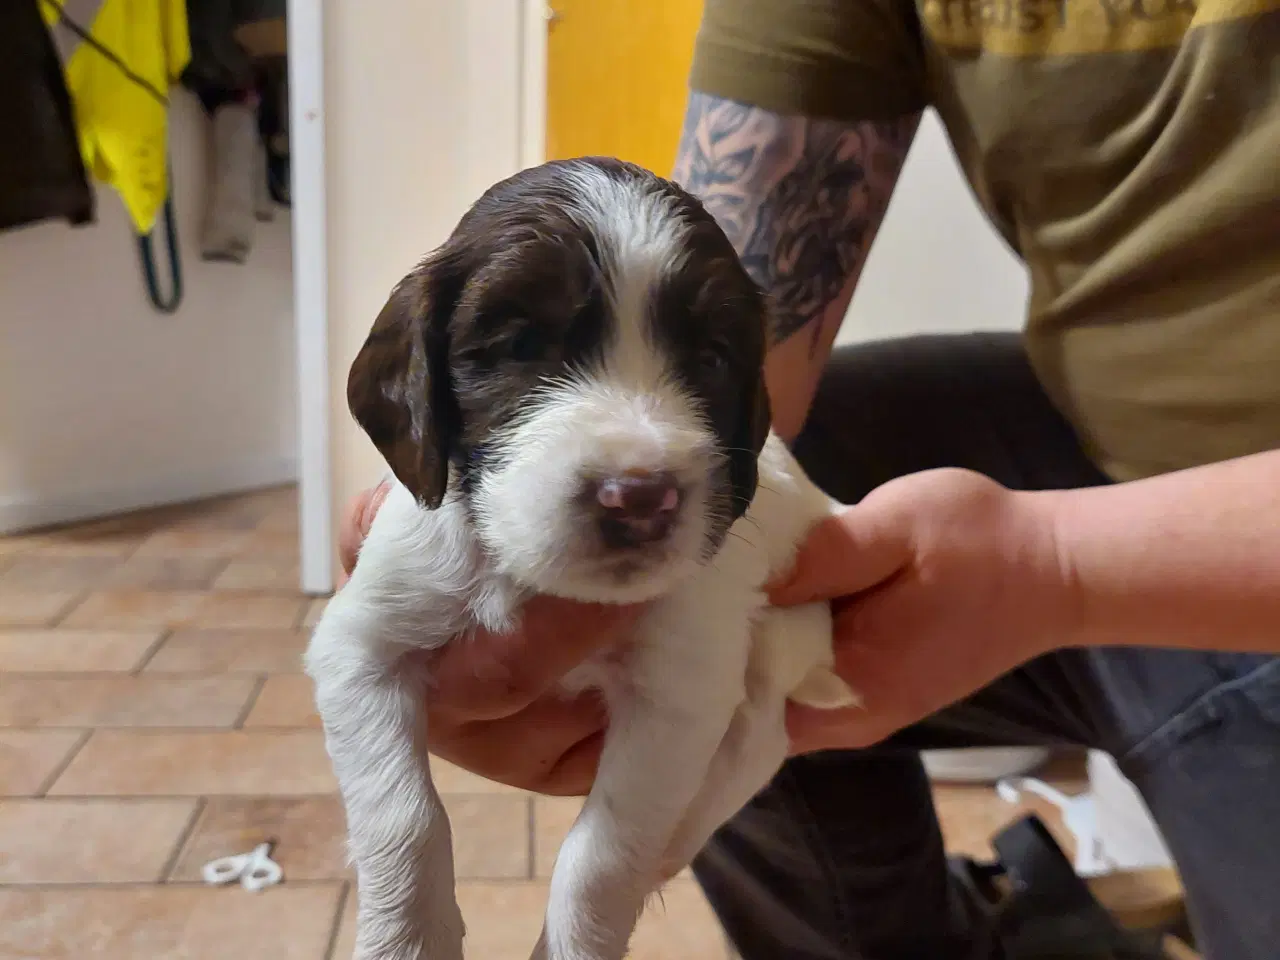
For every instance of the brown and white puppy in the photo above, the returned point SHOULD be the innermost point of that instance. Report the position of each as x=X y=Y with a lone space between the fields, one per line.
x=570 y=394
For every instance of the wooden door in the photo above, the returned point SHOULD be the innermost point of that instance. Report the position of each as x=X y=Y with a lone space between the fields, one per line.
x=617 y=78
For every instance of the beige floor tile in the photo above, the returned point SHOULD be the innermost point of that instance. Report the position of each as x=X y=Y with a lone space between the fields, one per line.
x=67 y=649
x=314 y=611
x=453 y=779
x=1068 y=770
x=242 y=512
x=173 y=923
x=277 y=543
x=134 y=608
x=198 y=542
x=221 y=521
x=260 y=503
x=123 y=700
x=969 y=818
x=552 y=818
x=220 y=651
x=504 y=920
x=269 y=573
x=281 y=520
x=344 y=945
x=29 y=757
x=281 y=497
x=23 y=607
x=180 y=571
x=12 y=546
x=199 y=763
x=286 y=700
x=116 y=534
x=310 y=835
x=679 y=926
x=110 y=538
x=490 y=836
x=126 y=608
x=89 y=841
x=40 y=572
x=495 y=931
x=264 y=611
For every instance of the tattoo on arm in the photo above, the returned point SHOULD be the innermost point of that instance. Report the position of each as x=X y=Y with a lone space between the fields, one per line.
x=800 y=198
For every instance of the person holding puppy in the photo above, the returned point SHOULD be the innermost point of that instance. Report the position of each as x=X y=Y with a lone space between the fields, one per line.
x=1071 y=535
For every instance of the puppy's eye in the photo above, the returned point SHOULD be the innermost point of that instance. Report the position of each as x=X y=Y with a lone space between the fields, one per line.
x=528 y=345
x=714 y=357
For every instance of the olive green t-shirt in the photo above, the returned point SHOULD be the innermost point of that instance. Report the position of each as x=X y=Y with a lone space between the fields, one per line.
x=1127 y=150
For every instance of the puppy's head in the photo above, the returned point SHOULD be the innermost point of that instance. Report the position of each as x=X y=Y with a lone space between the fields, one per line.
x=581 y=362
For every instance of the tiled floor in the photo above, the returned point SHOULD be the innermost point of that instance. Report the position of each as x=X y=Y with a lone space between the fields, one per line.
x=152 y=717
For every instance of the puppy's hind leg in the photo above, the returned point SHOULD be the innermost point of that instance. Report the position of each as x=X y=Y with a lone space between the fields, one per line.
x=752 y=751
x=611 y=860
x=790 y=659
x=373 y=706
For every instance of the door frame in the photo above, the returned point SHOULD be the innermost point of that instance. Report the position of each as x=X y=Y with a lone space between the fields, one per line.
x=534 y=15
x=306 y=38
x=309 y=218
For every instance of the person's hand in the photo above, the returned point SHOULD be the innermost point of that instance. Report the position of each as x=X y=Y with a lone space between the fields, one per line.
x=941 y=582
x=492 y=710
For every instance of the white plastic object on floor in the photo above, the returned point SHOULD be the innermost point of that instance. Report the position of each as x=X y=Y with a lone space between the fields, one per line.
x=255 y=870
x=981 y=764
x=1128 y=831
x=1079 y=814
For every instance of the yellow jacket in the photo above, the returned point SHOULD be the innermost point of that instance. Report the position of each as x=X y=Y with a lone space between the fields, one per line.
x=122 y=113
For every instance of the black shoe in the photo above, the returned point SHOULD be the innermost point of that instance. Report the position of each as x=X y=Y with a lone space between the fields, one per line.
x=1040 y=908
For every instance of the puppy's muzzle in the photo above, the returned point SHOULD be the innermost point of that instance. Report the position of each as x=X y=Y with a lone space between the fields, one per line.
x=635 y=509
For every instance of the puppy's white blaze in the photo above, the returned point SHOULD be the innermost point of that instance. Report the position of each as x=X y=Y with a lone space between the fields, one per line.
x=637 y=226
x=641 y=237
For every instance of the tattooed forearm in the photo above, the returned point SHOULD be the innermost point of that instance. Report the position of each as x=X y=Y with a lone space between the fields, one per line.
x=800 y=198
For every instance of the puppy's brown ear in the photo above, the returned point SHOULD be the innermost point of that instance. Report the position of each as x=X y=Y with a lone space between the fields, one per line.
x=398 y=387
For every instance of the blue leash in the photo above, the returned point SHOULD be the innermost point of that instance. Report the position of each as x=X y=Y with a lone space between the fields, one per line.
x=146 y=253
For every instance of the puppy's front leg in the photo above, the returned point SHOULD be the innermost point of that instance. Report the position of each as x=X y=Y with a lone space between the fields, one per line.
x=373 y=709
x=663 y=732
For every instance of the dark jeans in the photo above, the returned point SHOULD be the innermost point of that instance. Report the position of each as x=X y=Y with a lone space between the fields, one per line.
x=841 y=856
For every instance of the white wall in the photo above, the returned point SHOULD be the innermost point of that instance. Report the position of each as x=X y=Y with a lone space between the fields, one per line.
x=422 y=114
x=106 y=404
x=937 y=266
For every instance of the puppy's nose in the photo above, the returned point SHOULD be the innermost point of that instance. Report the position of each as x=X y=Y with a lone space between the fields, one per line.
x=636 y=508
